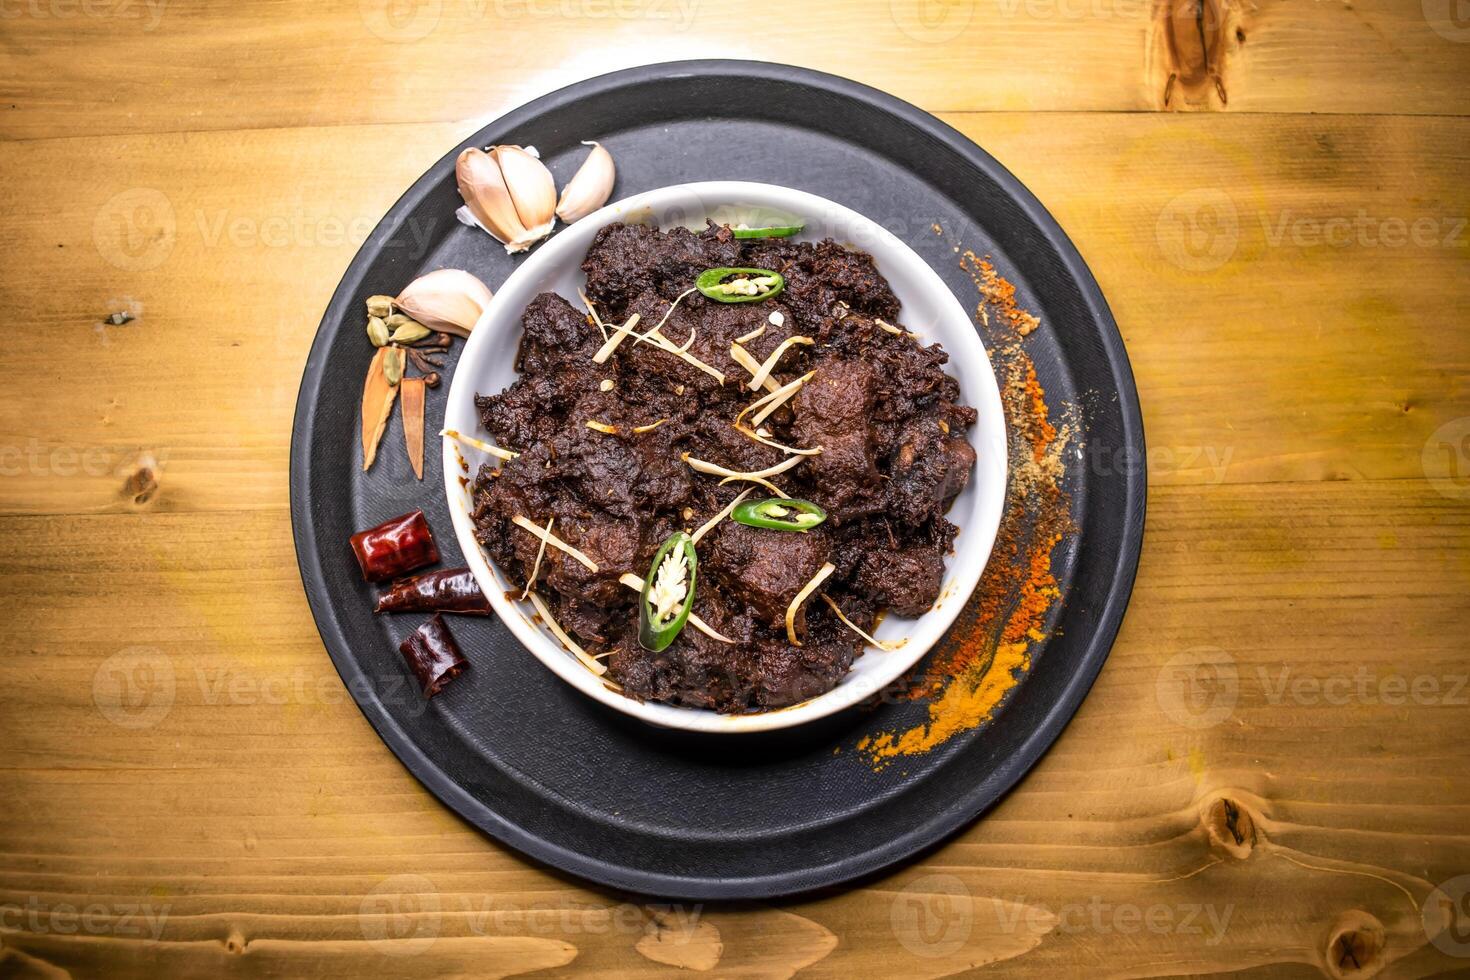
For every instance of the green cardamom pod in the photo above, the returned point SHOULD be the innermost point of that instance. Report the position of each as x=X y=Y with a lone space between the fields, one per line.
x=379 y=305
x=410 y=332
x=377 y=331
x=393 y=366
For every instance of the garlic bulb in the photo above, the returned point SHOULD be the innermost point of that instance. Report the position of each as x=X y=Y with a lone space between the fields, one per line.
x=590 y=187
x=446 y=299
x=509 y=193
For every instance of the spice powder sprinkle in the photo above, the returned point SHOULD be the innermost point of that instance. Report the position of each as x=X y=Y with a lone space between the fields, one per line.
x=988 y=651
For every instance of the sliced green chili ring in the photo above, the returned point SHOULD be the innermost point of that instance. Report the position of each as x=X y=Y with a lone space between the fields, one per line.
x=710 y=280
x=653 y=633
x=779 y=514
x=771 y=231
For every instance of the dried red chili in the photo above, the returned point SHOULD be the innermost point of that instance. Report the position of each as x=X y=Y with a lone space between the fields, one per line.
x=395 y=547
x=433 y=656
x=451 y=590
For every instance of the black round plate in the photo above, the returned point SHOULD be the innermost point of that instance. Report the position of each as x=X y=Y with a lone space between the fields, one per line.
x=542 y=768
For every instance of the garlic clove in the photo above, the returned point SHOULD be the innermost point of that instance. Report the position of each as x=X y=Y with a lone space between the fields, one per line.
x=532 y=189
x=445 y=299
x=590 y=186
x=486 y=196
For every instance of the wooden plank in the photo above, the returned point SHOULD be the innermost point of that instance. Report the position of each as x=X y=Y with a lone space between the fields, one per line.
x=1339 y=607
x=1267 y=352
x=156 y=66
x=1290 y=287
x=1282 y=284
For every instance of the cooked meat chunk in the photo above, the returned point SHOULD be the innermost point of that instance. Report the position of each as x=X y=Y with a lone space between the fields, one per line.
x=820 y=276
x=556 y=334
x=765 y=569
x=906 y=581
x=625 y=260
x=929 y=468
x=874 y=404
x=833 y=411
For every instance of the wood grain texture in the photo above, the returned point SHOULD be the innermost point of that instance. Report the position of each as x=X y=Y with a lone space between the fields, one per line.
x=148 y=66
x=1261 y=262
x=1268 y=777
x=183 y=724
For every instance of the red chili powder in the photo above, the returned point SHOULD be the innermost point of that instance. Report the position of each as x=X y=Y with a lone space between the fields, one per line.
x=988 y=650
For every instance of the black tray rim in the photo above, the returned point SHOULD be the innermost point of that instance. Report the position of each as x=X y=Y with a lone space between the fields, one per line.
x=966 y=806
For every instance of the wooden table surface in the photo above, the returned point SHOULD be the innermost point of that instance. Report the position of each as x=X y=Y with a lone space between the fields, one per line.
x=1270 y=776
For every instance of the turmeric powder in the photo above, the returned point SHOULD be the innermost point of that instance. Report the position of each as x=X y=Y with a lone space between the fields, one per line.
x=988 y=651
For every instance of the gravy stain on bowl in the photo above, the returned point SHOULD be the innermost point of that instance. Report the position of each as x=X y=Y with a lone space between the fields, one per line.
x=988 y=651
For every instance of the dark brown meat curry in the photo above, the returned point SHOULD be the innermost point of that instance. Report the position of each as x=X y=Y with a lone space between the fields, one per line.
x=877 y=402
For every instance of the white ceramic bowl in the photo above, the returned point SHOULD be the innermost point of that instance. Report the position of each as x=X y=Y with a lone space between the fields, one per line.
x=486 y=366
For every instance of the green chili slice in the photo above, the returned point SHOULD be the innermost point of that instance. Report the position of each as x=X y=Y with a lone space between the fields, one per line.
x=779 y=514
x=668 y=593
x=743 y=285
x=770 y=231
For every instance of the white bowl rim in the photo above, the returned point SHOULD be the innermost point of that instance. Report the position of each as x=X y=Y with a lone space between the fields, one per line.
x=964 y=565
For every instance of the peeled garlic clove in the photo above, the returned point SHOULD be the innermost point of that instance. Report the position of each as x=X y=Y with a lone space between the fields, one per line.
x=590 y=187
x=445 y=299
x=532 y=190
x=487 y=198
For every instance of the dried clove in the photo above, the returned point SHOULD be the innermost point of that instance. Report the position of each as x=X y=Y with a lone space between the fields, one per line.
x=432 y=379
x=424 y=362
